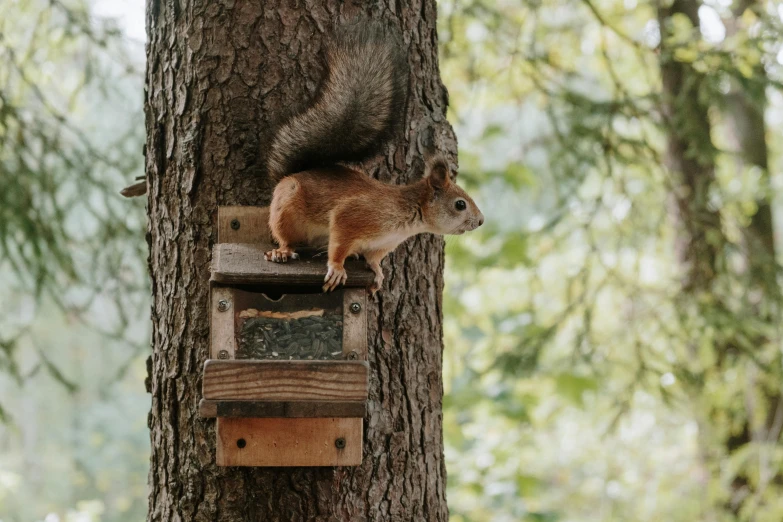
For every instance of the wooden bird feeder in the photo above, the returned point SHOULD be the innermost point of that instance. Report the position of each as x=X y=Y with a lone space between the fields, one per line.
x=288 y=374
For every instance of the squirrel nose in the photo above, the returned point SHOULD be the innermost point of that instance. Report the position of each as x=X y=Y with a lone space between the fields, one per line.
x=481 y=220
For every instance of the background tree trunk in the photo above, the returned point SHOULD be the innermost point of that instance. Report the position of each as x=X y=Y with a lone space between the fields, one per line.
x=691 y=156
x=744 y=111
x=220 y=76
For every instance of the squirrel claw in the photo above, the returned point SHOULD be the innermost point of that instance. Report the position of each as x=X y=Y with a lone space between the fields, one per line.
x=377 y=284
x=280 y=255
x=334 y=278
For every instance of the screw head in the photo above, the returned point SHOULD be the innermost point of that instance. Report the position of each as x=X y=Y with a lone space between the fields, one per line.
x=235 y=224
x=339 y=443
x=352 y=355
x=223 y=305
x=223 y=354
x=355 y=308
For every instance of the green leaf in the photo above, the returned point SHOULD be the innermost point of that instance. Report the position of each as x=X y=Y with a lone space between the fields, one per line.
x=681 y=28
x=528 y=485
x=492 y=130
x=572 y=387
x=518 y=175
x=542 y=517
x=513 y=252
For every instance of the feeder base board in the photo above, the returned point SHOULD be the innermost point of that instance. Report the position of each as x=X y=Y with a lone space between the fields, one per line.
x=289 y=442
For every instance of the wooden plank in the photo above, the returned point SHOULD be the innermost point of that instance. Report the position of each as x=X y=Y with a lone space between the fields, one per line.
x=237 y=263
x=289 y=442
x=250 y=302
x=355 y=324
x=287 y=409
x=222 y=324
x=286 y=380
x=243 y=225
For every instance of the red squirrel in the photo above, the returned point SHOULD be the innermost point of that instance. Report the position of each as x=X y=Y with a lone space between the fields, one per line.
x=318 y=200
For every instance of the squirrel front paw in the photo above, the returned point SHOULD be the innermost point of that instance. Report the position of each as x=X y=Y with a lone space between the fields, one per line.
x=280 y=255
x=334 y=276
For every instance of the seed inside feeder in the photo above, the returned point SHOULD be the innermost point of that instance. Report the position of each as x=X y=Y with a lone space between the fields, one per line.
x=301 y=335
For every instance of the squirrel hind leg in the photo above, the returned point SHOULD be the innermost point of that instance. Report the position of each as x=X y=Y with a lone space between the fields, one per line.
x=374 y=262
x=285 y=223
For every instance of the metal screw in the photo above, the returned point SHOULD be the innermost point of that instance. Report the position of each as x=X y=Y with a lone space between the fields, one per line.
x=356 y=308
x=352 y=355
x=223 y=354
x=235 y=224
x=223 y=305
x=339 y=443
x=241 y=443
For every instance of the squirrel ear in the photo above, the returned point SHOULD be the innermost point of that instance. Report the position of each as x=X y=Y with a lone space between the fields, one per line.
x=437 y=172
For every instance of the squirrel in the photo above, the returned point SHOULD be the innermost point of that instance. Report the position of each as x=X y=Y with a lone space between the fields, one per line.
x=318 y=200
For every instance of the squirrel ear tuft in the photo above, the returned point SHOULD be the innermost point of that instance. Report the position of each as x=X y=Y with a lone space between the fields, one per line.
x=437 y=172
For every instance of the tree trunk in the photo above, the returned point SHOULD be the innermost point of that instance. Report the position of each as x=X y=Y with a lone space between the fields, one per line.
x=744 y=111
x=690 y=156
x=220 y=76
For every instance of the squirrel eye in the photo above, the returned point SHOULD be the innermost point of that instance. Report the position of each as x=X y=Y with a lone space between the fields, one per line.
x=460 y=204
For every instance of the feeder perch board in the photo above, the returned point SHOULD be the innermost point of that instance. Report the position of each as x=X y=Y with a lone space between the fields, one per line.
x=287 y=377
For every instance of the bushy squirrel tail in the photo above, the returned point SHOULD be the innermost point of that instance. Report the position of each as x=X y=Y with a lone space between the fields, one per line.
x=359 y=105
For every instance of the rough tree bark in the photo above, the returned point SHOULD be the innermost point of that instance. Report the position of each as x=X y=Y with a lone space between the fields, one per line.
x=220 y=75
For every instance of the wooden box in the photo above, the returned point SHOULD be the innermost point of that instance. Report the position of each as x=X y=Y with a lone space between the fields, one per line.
x=288 y=375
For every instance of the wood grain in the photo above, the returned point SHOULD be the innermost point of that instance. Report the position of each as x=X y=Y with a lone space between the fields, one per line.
x=253 y=223
x=288 y=442
x=286 y=380
x=222 y=323
x=237 y=263
x=248 y=303
x=289 y=409
x=355 y=324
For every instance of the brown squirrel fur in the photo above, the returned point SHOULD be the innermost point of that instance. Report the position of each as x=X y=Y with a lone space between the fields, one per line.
x=318 y=201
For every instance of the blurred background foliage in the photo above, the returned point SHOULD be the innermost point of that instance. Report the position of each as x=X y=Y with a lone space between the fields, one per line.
x=613 y=333
x=73 y=315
